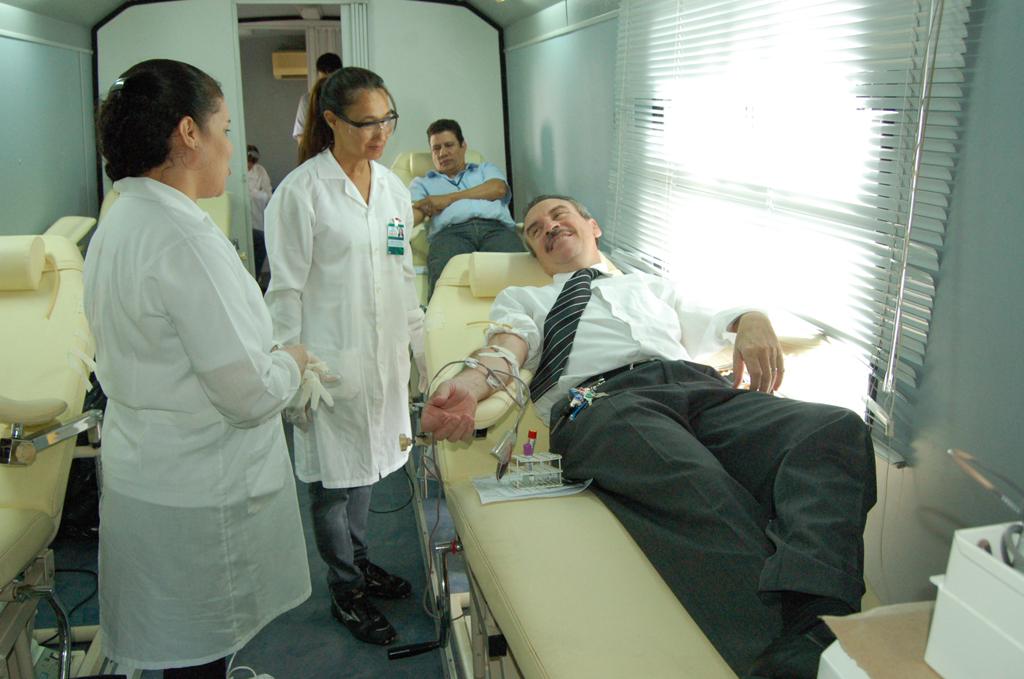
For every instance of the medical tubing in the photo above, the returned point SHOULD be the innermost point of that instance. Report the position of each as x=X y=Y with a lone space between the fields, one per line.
x=491 y=376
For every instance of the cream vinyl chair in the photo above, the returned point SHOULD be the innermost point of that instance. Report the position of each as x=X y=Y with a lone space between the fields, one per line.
x=408 y=166
x=559 y=578
x=44 y=374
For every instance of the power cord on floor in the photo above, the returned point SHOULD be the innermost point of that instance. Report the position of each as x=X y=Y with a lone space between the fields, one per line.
x=405 y=504
x=95 y=589
x=243 y=668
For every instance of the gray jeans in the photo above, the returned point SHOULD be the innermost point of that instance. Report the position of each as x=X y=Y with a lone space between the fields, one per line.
x=476 y=235
x=339 y=526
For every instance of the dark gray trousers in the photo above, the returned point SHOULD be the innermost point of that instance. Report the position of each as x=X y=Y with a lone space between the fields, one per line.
x=476 y=235
x=339 y=527
x=734 y=496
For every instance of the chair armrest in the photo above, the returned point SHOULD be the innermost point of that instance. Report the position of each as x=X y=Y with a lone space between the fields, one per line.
x=418 y=239
x=494 y=407
x=30 y=413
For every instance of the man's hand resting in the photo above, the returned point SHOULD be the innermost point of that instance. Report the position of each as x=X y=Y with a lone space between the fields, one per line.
x=759 y=350
x=450 y=413
x=432 y=205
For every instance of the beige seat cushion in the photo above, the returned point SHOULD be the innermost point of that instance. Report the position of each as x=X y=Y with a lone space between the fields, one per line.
x=573 y=594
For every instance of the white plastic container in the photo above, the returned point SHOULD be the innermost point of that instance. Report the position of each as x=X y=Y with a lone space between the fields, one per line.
x=978 y=626
x=835 y=664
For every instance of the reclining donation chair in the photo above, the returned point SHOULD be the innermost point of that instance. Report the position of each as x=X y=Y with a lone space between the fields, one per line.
x=44 y=374
x=559 y=579
x=408 y=166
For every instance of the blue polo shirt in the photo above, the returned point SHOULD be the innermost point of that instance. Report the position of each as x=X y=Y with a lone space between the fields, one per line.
x=435 y=183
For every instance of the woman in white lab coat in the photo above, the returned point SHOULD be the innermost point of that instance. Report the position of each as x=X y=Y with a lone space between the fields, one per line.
x=341 y=282
x=201 y=539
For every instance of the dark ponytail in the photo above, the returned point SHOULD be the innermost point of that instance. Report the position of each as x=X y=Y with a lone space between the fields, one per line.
x=316 y=135
x=334 y=93
x=142 y=108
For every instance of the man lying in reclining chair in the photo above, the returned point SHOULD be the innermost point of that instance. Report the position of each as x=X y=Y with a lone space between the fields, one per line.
x=751 y=507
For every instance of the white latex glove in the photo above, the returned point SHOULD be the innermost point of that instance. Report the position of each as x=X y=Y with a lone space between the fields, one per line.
x=317 y=392
x=322 y=370
x=311 y=392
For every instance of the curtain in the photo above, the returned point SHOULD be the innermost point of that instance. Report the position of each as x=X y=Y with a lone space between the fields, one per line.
x=356 y=42
x=318 y=41
x=796 y=153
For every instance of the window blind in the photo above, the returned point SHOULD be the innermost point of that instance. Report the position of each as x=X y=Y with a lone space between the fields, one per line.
x=797 y=153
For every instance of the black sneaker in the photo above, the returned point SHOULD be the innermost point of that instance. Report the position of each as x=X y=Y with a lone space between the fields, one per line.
x=354 y=610
x=381 y=583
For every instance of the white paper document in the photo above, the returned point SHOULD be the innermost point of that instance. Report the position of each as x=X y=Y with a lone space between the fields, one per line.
x=491 y=490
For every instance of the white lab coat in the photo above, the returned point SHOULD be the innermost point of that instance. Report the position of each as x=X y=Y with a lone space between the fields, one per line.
x=201 y=542
x=335 y=288
x=259 y=193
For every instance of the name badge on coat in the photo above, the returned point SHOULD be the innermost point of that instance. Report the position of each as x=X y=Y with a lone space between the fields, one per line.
x=396 y=236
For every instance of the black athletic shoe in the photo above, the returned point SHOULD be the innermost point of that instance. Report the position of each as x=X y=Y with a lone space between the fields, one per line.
x=381 y=583
x=352 y=609
x=794 y=656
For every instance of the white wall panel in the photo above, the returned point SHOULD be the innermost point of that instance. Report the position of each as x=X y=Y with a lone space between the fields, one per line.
x=545 y=21
x=969 y=395
x=270 y=105
x=200 y=32
x=47 y=136
x=439 y=61
x=560 y=108
x=19 y=22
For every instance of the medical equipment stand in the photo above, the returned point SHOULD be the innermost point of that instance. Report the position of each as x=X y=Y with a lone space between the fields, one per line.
x=442 y=604
x=455 y=656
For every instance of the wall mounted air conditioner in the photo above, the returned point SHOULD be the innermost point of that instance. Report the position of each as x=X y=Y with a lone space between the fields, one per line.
x=289 y=64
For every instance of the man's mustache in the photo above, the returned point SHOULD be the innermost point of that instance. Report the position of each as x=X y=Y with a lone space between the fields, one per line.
x=553 y=234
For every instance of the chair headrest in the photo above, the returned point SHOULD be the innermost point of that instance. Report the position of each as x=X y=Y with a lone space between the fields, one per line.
x=21 y=262
x=492 y=272
x=412 y=164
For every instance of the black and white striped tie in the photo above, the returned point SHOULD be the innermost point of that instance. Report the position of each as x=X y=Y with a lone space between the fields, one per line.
x=560 y=330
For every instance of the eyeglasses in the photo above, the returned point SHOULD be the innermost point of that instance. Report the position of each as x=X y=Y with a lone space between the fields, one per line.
x=387 y=124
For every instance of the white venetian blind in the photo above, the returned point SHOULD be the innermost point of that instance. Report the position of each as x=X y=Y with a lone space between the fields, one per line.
x=795 y=153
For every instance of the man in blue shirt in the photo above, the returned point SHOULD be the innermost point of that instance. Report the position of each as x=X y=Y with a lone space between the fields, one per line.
x=467 y=203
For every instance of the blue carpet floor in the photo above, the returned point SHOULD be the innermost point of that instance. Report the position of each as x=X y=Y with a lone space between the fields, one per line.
x=307 y=642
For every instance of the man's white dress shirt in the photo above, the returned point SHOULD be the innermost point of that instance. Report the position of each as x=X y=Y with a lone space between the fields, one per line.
x=630 y=318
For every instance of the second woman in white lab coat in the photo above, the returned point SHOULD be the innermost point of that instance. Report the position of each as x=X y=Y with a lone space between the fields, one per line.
x=342 y=284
